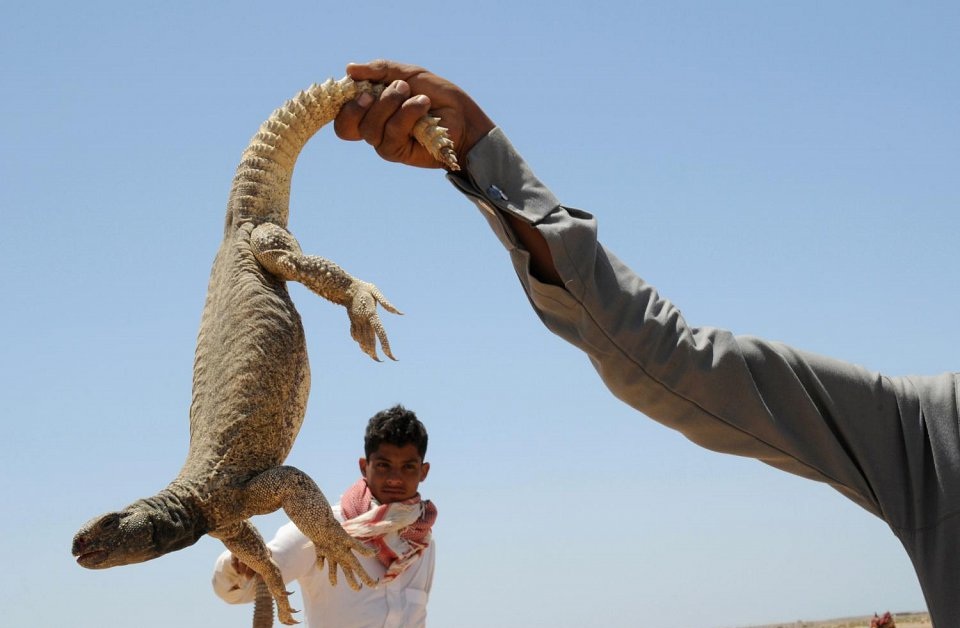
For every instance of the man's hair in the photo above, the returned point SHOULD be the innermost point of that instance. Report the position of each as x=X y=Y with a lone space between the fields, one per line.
x=396 y=426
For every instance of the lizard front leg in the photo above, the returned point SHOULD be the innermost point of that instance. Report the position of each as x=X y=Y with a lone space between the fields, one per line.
x=303 y=501
x=244 y=541
x=279 y=252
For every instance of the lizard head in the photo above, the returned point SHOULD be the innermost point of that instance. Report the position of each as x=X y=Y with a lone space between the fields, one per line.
x=141 y=531
x=116 y=538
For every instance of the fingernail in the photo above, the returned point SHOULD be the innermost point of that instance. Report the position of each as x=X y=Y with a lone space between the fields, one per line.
x=365 y=99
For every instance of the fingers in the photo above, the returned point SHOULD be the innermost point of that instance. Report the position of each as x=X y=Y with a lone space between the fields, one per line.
x=388 y=123
x=347 y=123
x=382 y=71
x=242 y=569
x=372 y=125
x=398 y=142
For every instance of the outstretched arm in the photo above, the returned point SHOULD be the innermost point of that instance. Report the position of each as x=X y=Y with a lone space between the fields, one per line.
x=888 y=443
x=809 y=415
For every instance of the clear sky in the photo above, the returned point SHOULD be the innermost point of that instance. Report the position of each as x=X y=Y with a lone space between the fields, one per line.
x=783 y=169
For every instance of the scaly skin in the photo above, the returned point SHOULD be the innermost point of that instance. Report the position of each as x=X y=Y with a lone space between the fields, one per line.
x=262 y=606
x=251 y=375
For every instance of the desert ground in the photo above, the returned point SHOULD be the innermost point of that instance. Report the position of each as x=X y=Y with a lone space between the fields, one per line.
x=903 y=620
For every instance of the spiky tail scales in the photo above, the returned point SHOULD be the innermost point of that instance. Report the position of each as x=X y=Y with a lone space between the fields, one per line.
x=262 y=606
x=261 y=186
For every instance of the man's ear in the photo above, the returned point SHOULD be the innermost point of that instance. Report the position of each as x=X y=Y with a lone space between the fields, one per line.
x=424 y=470
x=363 y=467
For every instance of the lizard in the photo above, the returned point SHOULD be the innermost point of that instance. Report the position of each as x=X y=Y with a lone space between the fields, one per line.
x=251 y=376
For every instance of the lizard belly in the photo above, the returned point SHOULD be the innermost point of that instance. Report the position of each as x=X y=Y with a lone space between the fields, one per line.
x=251 y=375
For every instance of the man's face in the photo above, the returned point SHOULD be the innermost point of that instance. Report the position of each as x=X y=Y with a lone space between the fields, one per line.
x=394 y=473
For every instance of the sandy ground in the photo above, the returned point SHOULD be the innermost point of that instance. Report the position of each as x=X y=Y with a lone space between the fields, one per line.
x=903 y=620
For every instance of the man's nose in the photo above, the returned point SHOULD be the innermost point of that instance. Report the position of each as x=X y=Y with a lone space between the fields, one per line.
x=393 y=477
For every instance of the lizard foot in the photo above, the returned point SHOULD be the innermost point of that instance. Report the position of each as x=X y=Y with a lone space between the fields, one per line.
x=284 y=611
x=365 y=325
x=338 y=549
x=279 y=253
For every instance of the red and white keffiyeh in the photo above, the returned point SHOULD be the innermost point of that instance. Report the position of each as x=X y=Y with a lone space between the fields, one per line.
x=400 y=531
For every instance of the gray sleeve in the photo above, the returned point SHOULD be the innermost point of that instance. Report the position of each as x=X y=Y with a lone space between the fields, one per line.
x=864 y=434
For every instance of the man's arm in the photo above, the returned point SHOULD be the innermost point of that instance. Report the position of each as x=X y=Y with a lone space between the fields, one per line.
x=798 y=412
x=888 y=443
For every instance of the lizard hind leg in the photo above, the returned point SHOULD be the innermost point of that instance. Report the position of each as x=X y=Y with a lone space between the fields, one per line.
x=244 y=541
x=303 y=501
x=280 y=254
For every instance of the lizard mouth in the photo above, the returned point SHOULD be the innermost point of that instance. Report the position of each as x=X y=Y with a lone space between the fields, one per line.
x=91 y=559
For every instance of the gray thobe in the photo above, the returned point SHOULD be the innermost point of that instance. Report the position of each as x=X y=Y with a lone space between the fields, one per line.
x=890 y=444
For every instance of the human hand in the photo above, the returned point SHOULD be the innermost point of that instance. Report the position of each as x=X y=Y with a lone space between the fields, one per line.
x=242 y=569
x=387 y=123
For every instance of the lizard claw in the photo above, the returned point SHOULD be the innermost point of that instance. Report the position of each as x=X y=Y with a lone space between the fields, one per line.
x=365 y=324
x=340 y=552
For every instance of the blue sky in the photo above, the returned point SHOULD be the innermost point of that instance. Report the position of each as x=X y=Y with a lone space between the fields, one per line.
x=783 y=169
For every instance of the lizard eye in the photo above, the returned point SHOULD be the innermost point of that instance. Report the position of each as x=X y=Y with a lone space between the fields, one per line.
x=110 y=522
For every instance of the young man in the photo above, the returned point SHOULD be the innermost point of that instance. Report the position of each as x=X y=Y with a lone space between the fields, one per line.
x=890 y=444
x=384 y=510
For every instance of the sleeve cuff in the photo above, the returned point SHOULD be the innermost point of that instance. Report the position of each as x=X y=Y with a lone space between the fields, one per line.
x=498 y=181
x=496 y=174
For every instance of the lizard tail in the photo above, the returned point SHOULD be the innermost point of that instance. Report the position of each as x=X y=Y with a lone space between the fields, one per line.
x=262 y=606
x=261 y=185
